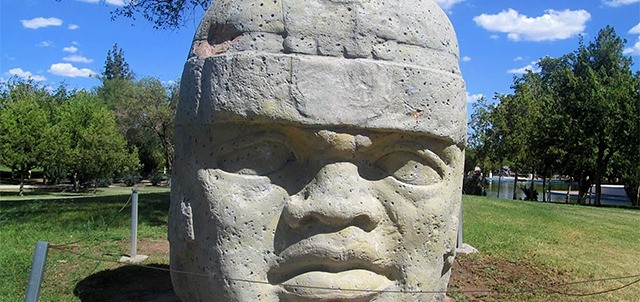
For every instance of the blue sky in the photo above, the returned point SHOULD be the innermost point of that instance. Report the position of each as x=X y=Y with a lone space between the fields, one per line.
x=67 y=41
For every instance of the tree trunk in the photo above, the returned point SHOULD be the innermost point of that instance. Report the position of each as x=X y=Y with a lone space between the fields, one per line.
x=515 y=185
x=599 y=166
x=544 y=193
x=583 y=189
x=76 y=182
x=21 y=190
x=531 y=197
x=569 y=190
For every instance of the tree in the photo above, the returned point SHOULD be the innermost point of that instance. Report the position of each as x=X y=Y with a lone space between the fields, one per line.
x=601 y=98
x=115 y=66
x=579 y=116
x=150 y=112
x=163 y=14
x=97 y=149
x=22 y=128
x=482 y=137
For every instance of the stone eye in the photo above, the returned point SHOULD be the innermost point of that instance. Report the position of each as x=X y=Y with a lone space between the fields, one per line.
x=410 y=168
x=261 y=158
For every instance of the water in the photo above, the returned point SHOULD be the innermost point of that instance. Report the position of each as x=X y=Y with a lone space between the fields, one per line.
x=505 y=189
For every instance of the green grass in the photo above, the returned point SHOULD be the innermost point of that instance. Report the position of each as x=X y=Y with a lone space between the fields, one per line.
x=582 y=242
x=63 y=219
x=586 y=242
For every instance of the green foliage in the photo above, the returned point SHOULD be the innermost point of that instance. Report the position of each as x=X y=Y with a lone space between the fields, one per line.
x=484 y=146
x=131 y=179
x=157 y=178
x=97 y=149
x=115 y=66
x=145 y=112
x=578 y=116
x=23 y=124
x=163 y=14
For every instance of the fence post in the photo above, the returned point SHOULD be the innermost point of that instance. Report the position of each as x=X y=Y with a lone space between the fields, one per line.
x=37 y=271
x=134 y=222
x=133 y=253
x=460 y=241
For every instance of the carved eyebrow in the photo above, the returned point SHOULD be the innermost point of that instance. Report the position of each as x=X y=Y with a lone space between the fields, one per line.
x=251 y=140
x=421 y=151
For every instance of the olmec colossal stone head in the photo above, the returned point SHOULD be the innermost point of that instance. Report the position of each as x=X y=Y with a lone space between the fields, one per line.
x=319 y=153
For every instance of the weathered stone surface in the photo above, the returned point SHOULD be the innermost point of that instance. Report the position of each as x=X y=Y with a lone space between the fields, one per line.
x=319 y=153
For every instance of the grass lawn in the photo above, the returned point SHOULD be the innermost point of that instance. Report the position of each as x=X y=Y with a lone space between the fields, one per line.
x=573 y=242
x=61 y=218
x=570 y=241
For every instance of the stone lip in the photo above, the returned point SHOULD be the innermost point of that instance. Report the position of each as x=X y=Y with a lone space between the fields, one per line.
x=351 y=285
x=339 y=252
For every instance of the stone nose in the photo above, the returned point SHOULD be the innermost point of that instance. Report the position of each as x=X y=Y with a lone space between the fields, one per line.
x=337 y=197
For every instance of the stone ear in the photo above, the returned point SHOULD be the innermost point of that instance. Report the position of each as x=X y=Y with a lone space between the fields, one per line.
x=187 y=219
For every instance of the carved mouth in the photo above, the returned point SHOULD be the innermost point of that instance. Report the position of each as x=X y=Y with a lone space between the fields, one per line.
x=334 y=266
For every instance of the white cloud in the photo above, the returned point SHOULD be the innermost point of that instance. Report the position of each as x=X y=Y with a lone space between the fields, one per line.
x=553 y=25
x=518 y=58
x=26 y=74
x=68 y=70
x=73 y=26
x=633 y=50
x=77 y=59
x=70 y=49
x=447 y=4
x=466 y=59
x=522 y=70
x=617 y=3
x=635 y=30
x=494 y=37
x=112 y=2
x=40 y=22
x=45 y=44
x=472 y=98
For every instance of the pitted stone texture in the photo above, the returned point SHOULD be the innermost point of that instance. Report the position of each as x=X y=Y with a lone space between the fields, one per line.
x=274 y=53
x=301 y=89
x=319 y=153
x=348 y=28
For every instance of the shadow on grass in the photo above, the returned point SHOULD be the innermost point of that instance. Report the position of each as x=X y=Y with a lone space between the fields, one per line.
x=128 y=283
x=153 y=209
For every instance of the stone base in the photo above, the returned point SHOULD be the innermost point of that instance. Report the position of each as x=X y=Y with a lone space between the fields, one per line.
x=466 y=249
x=134 y=259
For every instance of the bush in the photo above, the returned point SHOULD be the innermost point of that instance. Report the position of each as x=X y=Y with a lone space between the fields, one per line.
x=474 y=185
x=131 y=180
x=156 y=178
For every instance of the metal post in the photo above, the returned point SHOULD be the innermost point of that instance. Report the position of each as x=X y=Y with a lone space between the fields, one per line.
x=37 y=271
x=133 y=254
x=134 y=222
x=460 y=241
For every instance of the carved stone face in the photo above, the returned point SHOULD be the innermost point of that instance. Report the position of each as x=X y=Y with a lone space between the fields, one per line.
x=311 y=177
x=302 y=208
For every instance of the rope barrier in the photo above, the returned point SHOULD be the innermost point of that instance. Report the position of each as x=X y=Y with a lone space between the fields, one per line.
x=544 y=289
